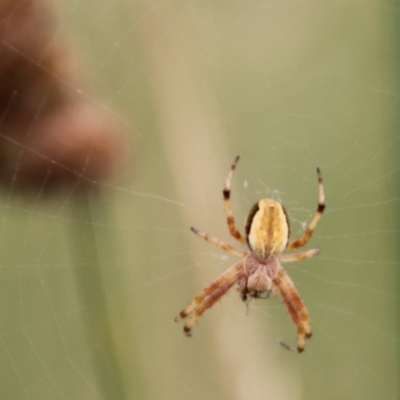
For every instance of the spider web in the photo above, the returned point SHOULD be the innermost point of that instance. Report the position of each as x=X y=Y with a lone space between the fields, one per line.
x=287 y=85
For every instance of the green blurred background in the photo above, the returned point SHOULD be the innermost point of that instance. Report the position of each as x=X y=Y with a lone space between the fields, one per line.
x=287 y=85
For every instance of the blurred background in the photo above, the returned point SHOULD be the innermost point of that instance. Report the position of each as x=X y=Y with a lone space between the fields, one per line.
x=94 y=268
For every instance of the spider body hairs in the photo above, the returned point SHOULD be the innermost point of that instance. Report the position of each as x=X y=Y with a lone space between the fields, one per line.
x=259 y=272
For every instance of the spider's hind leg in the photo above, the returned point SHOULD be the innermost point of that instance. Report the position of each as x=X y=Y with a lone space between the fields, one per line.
x=226 y=193
x=320 y=209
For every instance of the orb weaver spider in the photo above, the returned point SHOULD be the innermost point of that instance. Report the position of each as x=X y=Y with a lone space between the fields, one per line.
x=259 y=272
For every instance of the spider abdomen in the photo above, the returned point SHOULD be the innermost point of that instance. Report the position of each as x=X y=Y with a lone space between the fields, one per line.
x=267 y=229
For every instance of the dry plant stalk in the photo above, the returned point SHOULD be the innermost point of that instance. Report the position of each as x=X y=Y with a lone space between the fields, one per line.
x=50 y=135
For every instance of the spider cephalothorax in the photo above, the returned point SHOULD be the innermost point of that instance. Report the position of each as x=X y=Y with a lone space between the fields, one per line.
x=267 y=231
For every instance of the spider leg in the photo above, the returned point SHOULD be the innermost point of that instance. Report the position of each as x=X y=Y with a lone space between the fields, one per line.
x=217 y=242
x=209 y=290
x=320 y=209
x=298 y=256
x=228 y=207
x=211 y=300
x=296 y=309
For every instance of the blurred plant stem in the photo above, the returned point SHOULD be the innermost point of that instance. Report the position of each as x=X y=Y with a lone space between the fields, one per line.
x=92 y=297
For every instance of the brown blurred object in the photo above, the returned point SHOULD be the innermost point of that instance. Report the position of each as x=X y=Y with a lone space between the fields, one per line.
x=50 y=135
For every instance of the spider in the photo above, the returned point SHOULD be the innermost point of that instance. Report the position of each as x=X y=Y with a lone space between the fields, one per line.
x=259 y=272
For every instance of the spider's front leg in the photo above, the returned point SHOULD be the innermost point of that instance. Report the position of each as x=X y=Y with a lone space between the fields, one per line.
x=233 y=273
x=296 y=309
x=210 y=301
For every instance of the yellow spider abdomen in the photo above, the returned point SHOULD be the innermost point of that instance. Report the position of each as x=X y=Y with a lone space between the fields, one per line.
x=267 y=229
